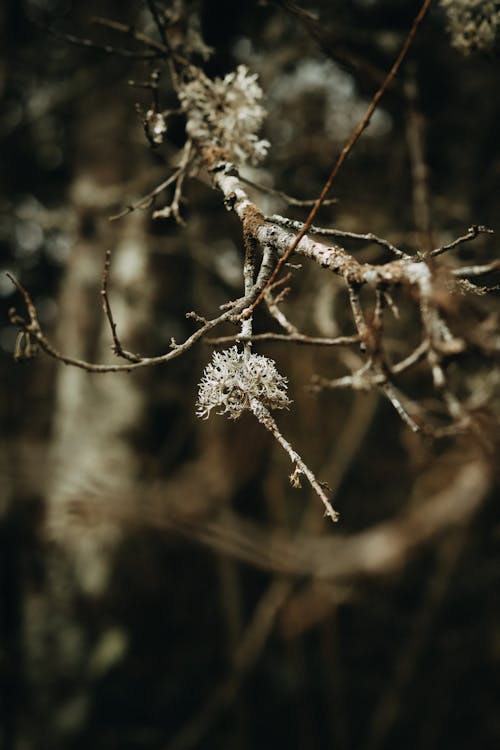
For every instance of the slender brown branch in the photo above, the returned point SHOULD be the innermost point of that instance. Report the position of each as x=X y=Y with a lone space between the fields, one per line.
x=363 y=124
x=292 y=338
x=284 y=196
x=412 y=359
x=117 y=347
x=174 y=209
x=147 y=200
x=300 y=467
x=415 y=138
x=160 y=23
x=139 y=36
x=233 y=314
x=106 y=48
x=327 y=232
x=471 y=234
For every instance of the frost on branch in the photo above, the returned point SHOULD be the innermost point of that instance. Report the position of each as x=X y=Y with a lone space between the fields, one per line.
x=233 y=378
x=226 y=112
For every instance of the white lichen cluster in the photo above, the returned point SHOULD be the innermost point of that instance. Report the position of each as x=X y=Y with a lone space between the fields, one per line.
x=226 y=112
x=233 y=378
x=473 y=24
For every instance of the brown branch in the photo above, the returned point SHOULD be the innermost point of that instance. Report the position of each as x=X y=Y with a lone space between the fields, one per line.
x=159 y=22
x=415 y=138
x=292 y=338
x=471 y=234
x=147 y=200
x=349 y=145
x=174 y=209
x=232 y=314
x=117 y=347
x=367 y=237
x=284 y=196
x=139 y=36
x=333 y=45
x=106 y=48
x=300 y=467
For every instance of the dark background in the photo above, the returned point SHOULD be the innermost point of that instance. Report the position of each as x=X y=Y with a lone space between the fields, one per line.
x=126 y=621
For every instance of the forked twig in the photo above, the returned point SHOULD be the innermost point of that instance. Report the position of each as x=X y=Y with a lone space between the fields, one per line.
x=147 y=200
x=363 y=124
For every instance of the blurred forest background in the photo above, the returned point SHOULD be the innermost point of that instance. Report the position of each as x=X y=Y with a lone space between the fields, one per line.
x=162 y=585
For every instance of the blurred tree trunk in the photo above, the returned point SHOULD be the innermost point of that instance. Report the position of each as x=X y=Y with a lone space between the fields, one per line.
x=93 y=420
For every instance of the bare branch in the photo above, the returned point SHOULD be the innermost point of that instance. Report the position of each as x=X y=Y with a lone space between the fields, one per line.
x=265 y=418
x=33 y=328
x=147 y=200
x=106 y=48
x=368 y=237
x=292 y=338
x=365 y=121
x=471 y=234
x=117 y=347
x=131 y=32
x=284 y=196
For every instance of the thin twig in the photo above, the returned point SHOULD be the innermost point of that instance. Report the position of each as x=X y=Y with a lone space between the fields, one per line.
x=349 y=145
x=284 y=196
x=33 y=328
x=395 y=398
x=265 y=418
x=106 y=48
x=117 y=347
x=159 y=22
x=471 y=234
x=147 y=200
x=123 y=28
x=292 y=338
x=272 y=304
x=415 y=138
x=327 y=232
x=479 y=270
x=412 y=359
x=174 y=208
